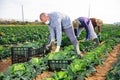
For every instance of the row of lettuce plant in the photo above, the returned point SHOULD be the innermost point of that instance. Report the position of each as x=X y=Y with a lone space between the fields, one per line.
x=24 y=71
x=21 y=34
x=38 y=65
x=39 y=31
x=5 y=51
x=68 y=53
x=81 y=68
x=114 y=72
x=78 y=69
x=30 y=69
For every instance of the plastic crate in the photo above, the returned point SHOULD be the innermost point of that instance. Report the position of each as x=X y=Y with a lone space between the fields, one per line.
x=36 y=52
x=20 y=54
x=58 y=65
x=23 y=54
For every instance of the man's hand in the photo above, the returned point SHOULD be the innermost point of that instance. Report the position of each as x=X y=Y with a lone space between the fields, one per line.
x=57 y=49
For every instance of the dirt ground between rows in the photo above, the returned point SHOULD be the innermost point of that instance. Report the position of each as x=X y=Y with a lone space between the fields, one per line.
x=98 y=75
x=4 y=64
x=101 y=71
x=107 y=65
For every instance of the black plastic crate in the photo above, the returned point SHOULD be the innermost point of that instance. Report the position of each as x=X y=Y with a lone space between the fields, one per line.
x=36 y=52
x=58 y=65
x=20 y=54
x=23 y=54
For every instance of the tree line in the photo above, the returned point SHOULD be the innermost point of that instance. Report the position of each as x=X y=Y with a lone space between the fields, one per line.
x=16 y=22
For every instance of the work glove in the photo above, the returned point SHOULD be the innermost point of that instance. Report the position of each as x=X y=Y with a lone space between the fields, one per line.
x=57 y=49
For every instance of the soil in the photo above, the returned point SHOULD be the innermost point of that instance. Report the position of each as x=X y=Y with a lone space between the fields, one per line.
x=100 y=70
x=107 y=65
x=98 y=75
x=43 y=75
x=4 y=64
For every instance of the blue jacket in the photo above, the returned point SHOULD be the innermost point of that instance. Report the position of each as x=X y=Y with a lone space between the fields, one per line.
x=58 y=22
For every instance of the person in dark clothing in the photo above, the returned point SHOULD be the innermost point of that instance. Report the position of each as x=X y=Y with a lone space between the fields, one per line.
x=97 y=24
x=85 y=23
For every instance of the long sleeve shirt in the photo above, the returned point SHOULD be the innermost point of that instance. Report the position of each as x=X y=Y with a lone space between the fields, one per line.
x=99 y=23
x=58 y=22
x=84 y=23
x=95 y=24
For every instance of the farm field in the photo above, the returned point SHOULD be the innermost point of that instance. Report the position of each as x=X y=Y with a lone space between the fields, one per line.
x=98 y=63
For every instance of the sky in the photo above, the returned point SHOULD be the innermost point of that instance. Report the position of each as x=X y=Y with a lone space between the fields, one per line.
x=106 y=10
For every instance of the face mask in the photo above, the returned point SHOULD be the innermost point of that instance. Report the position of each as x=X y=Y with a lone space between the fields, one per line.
x=47 y=22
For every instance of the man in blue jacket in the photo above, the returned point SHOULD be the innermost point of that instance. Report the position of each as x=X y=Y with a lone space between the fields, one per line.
x=58 y=22
x=85 y=23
